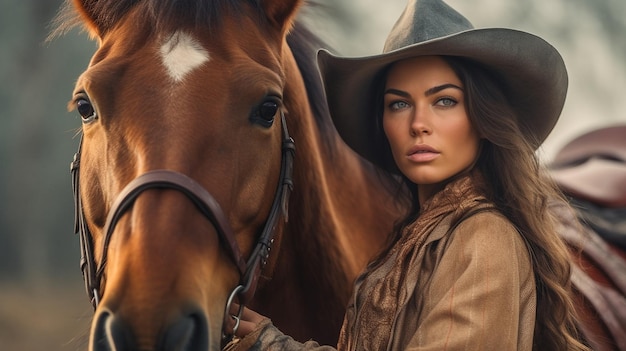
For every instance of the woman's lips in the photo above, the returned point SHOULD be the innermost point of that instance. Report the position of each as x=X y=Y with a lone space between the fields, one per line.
x=422 y=153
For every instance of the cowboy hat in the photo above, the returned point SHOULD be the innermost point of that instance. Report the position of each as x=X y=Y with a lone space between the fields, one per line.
x=531 y=71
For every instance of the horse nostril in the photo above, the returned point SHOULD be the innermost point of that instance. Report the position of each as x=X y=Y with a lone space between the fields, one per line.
x=189 y=333
x=108 y=334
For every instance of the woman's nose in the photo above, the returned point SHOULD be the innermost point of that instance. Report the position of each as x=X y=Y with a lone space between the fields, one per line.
x=419 y=122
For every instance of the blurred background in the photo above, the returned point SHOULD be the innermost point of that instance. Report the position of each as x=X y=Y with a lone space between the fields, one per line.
x=42 y=300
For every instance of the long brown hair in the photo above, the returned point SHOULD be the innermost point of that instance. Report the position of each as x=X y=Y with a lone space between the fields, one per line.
x=518 y=186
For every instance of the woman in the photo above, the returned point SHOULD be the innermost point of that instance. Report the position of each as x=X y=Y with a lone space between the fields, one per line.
x=476 y=264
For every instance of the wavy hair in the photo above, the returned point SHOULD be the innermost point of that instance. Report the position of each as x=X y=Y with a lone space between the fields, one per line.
x=521 y=190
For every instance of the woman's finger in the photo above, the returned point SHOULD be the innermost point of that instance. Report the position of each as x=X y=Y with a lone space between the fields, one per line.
x=249 y=315
x=247 y=322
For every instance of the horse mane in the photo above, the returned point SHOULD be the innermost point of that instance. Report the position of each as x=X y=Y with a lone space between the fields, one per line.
x=304 y=45
x=171 y=14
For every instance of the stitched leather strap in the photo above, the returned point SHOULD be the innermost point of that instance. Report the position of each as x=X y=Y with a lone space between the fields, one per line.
x=166 y=179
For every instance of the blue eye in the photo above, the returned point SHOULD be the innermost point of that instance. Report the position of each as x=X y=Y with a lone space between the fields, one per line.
x=446 y=102
x=398 y=105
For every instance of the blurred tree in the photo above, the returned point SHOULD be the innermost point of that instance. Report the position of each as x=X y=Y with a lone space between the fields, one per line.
x=36 y=141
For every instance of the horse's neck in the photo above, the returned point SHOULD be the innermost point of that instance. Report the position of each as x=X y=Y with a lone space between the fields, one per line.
x=339 y=199
x=340 y=215
x=339 y=218
x=344 y=204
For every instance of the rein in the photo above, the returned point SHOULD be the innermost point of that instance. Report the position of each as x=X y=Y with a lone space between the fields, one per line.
x=249 y=270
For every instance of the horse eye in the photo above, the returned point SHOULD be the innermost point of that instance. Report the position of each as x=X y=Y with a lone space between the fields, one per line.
x=268 y=110
x=264 y=113
x=86 y=110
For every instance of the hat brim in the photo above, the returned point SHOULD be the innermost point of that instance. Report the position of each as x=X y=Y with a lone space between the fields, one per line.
x=532 y=71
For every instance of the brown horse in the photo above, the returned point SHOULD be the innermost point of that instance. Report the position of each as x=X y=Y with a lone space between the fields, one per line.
x=189 y=109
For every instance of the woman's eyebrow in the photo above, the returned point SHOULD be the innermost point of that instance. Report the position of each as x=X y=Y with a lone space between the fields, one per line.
x=439 y=88
x=397 y=92
x=428 y=92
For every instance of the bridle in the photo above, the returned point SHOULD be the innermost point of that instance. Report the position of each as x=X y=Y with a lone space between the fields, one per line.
x=249 y=270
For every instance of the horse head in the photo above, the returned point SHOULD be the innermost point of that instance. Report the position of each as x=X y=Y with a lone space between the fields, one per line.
x=184 y=162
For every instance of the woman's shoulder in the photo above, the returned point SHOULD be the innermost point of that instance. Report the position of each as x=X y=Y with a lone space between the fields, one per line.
x=488 y=233
x=486 y=218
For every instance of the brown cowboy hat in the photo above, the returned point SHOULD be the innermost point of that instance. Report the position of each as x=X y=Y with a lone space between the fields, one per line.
x=531 y=71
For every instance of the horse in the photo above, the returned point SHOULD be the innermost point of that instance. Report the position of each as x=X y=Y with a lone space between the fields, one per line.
x=200 y=120
x=591 y=171
x=209 y=171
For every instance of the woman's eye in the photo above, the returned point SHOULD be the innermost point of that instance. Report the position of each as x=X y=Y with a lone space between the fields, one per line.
x=398 y=105
x=86 y=110
x=446 y=102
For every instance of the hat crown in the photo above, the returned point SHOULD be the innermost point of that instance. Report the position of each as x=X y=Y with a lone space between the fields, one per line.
x=423 y=20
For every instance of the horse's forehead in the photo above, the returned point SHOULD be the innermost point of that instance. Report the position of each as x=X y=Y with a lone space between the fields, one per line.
x=168 y=64
x=181 y=53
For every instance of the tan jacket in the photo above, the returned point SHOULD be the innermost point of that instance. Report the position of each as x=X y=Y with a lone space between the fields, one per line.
x=471 y=289
x=444 y=286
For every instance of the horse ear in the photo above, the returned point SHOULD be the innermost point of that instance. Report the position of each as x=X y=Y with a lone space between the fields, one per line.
x=281 y=12
x=86 y=11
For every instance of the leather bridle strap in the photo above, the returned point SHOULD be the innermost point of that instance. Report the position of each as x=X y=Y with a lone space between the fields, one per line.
x=260 y=254
x=166 y=179
x=206 y=204
x=87 y=261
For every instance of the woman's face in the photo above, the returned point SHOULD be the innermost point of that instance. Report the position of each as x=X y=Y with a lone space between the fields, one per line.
x=425 y=120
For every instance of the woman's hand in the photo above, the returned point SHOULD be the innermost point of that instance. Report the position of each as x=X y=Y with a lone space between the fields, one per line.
x=248 y=322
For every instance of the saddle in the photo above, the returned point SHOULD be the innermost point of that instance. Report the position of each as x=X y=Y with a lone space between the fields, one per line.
x=592 y=167
x=591 y=170
x=599 y=274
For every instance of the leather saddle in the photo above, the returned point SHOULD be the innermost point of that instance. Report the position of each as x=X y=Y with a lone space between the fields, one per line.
x=592 y=167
